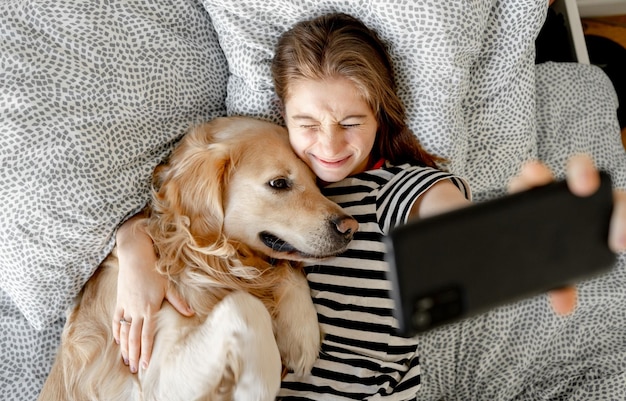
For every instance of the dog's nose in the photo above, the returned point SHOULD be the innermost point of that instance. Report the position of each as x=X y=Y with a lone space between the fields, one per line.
x=346 y=226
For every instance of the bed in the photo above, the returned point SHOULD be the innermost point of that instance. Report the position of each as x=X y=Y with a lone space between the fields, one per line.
x=93 y=95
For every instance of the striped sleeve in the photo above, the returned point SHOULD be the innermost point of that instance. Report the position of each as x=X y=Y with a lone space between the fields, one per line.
x=396 y=198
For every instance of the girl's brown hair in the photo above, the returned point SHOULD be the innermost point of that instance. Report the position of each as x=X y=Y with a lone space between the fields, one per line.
x=338 y=45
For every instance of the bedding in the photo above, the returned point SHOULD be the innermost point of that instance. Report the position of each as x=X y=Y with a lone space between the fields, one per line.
x=93 y=95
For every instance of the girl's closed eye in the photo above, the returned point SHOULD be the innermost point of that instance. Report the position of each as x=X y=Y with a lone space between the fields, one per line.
x=352 y=121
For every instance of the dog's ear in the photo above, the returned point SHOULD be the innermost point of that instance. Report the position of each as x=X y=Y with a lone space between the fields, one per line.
x=187 y=206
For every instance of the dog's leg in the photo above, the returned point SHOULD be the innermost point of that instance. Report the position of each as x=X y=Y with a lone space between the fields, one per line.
x=297 y=330
x=231 y=356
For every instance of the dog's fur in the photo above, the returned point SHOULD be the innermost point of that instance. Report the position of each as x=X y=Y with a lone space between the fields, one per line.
x=232 y=210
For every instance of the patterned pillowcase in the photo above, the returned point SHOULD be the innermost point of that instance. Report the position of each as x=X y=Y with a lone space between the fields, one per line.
x=465 y=71
x=576 y=113
x=93 y=96
x=499 y=107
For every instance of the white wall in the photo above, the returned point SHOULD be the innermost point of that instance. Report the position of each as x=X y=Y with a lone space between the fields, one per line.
x=598 y=8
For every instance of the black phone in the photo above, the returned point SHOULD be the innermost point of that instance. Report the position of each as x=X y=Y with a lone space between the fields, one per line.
x=461 y=263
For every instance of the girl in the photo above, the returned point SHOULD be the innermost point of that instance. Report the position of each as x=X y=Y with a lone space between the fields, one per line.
x=345 y=120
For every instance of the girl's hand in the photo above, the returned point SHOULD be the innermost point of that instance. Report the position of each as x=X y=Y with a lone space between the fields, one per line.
x=583 y=180
x=140 y=294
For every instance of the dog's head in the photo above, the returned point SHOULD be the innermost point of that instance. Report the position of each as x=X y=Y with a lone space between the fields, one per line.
x=234 y=184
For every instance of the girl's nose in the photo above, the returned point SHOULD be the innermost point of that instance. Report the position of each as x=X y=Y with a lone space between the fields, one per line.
x=331 y=140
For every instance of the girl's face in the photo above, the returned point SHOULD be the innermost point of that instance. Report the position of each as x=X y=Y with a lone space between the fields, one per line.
x=331 y=127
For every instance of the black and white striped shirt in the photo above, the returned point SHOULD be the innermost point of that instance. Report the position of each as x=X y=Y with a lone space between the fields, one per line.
x=361 y=357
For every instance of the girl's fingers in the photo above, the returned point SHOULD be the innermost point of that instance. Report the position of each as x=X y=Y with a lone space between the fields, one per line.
x=532 y=174
x=134 y=344
x=583 y=179
x=617 y=229
x=564 y=300
x=178 y=302
x=147 y=341
x=123 y=340
x=115 y=325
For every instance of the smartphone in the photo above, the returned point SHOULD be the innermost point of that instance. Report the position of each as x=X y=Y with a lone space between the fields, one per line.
x=459 y=264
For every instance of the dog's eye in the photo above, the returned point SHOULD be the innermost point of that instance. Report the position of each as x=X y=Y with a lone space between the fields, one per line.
x=279 y=183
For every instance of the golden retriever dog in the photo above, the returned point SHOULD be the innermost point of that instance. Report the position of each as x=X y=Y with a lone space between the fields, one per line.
x=233 y=213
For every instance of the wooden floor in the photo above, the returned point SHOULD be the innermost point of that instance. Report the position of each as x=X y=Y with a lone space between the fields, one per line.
x=613 y=28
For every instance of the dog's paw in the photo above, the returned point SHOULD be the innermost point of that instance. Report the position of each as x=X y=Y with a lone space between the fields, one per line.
x=297 y=330
x=300 y=344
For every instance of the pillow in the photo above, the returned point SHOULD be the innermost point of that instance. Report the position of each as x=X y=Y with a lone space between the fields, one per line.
x=499 y=106
x=464 y=71
x=577 y=112
x=93 y=97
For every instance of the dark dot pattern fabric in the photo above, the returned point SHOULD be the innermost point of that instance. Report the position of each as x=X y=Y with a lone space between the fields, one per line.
x=93 y=97
x=94 y=94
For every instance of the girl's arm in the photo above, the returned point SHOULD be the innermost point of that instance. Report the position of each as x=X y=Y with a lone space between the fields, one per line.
x=442 y=197
x=140 y=294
